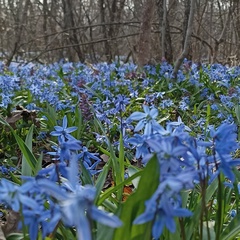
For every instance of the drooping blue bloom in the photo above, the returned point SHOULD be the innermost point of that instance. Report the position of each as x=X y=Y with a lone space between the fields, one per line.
x=233 y=213
x=54 y=171
x=140 y=143
x=121 y=102
x=77 y=207
x=86 y=156
x=225 y=138
x=166 y=103
x=162 y=210
x=66 y=148
x=90 y=160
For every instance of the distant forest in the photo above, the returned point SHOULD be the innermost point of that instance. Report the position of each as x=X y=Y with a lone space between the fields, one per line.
x=143 y=31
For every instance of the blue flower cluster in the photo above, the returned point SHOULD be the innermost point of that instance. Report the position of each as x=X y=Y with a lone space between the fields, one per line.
x=117 y=83
x=183 y=162
x=56 y=193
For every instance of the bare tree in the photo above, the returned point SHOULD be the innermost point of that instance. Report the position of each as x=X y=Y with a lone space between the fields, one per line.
x=166 y=41
x=69 y=23
x=19 y=19
x=187 y=41
x=49 y=30
x=144 y=52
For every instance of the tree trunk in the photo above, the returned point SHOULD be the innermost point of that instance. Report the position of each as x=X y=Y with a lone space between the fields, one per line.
x=144 y=45
x=187 y=41
x=166 y=41
x=73 y=36
x=104 y=29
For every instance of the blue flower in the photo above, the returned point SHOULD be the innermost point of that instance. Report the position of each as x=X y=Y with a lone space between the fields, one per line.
x=54 y=171
x=147 y=120
x=90 y=160
x=162 y=210
x=169 y=150
x=120 y=103
x=142 y=148
x=166 y=103
x=67 y=147
x=233 y=213
x=77 y=207
x=86 y=156
x=63 y=131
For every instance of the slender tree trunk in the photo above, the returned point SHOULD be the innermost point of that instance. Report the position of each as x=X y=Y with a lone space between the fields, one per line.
x=220 y=40
x=20 y=18
x=104 y=29
x=187 y=7
x=187 y=41
x=69 y=23
x=164 y=23
x=144 y=46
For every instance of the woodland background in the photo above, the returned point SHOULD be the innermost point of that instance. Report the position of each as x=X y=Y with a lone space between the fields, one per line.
x=144 y=31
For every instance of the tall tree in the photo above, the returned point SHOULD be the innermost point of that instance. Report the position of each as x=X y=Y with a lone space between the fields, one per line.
x=69 y=24
x=187 y=38
x=144 y=45
x=19 y=14
x=166 y=41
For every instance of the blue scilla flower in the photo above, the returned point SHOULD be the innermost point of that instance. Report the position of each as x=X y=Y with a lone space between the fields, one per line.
x=77 y=207
x=162 y=210
x=90 y=160
x=225 y=138
x=166 y=103
x=139 y=142
x=14 y=195
x=64 y=151
x=121 y=102
x=223 y=144
x=54 y=171
x=169 y=150
x=86 y=156
x=147 y=120
x=63 y=131
x=67 y=147
x=233 y=213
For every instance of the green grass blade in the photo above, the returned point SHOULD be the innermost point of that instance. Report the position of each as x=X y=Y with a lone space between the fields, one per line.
x=135 y=205
x=194 y=223
x=114 y=189
x=101 y=180
x=26 y=168
x=27 y=153
x=232 y=230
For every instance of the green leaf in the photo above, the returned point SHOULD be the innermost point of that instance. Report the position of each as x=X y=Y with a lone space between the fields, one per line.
x=85 y=177
x=114 y=189
x=232 y=230
x=29 y=157
x=198 y=208
x=101 y=180
x=237 y=111
x=51 y=114
x=121 y=164
x=209 y=227
x=208 y=114
x=26 y=168
x=39 y=163
x=15 y=236
x=131 y=171
x=79 y=123
x=104 y=232
x=27 y=153
x=135 y=205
